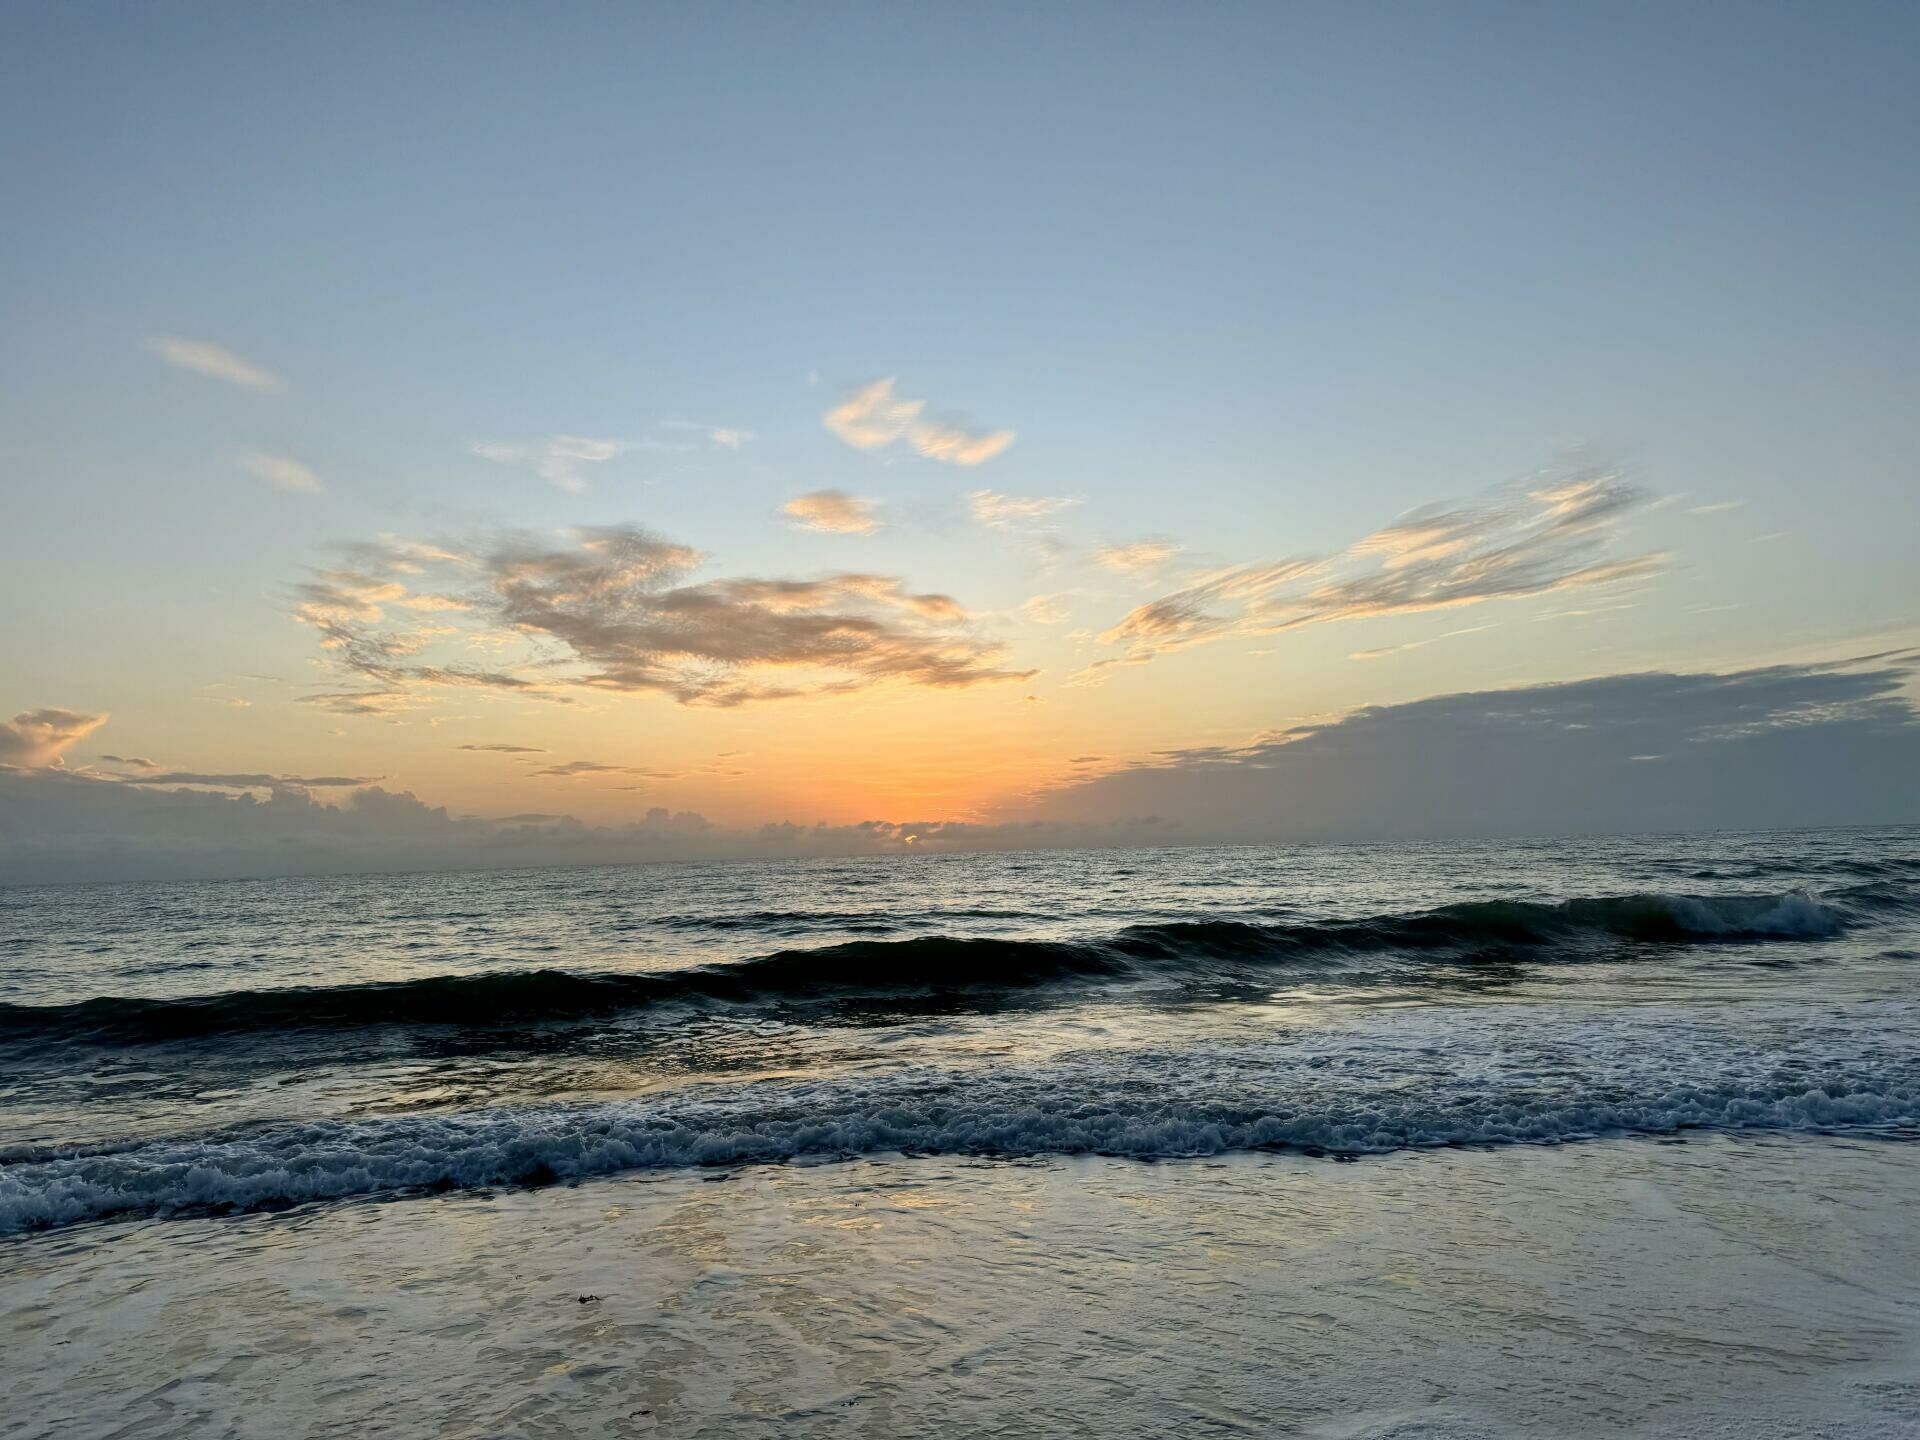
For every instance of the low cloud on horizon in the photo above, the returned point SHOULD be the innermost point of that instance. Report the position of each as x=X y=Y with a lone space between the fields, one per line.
x=1786 y=745
x=1780 y=746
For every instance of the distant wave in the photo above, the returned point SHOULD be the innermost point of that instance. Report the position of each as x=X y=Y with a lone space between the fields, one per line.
x=1196 y=949
x=798 y=921
x=1022 y=1114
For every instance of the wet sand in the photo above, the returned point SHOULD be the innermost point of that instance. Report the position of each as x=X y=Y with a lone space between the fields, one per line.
x=1720 y=1287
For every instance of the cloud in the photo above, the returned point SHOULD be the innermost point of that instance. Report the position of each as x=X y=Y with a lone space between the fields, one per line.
x=282 y=473
x=558 y=460
x=133 y=762
x=1835 y=743
x=1385 y=650
x=1134 y=559
x=617 y=609
x=874 y=418
x=1778 y=746
x=252 y=780
x=1720 y=507
x=581 y=769
x=363 y=702
x=1532 y=540
x=834 y=511
x=871 y=418
x=721 y=437
x=506 y=749
x=956 y=444
x=573 y=769
x=203 y=357
x=1002 y=511
x=499 y=453
x=1047 y=609
x=60 y=826
x=36 y=739
x=66 y=826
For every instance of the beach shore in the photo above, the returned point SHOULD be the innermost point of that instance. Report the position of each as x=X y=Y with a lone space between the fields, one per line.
x=1725 y=1286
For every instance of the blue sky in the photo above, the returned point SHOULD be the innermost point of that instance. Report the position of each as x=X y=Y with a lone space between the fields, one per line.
x=1252 y=281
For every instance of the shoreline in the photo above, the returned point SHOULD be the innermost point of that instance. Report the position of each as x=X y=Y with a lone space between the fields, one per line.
x=1720 y=1285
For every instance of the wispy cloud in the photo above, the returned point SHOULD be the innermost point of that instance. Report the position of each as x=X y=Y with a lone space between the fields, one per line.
x=1718 y=507
x=957 y=444
x=385 y=703
x=721 y=437
x=252 y=781
x=1004 y=511
x=585 y=769
x=617 y=610
x=505 y=749
x=834 y=511
x=282 y=473
x=37 y=739
x=1385 y=650
x=1137 y=558
x=1549 y=536
x=559 y=460
x=874 y=418
x=203 y=357
x=1047 y=609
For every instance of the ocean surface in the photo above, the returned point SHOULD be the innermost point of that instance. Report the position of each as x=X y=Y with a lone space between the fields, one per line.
x=194 y=1048
x=1015 y=1144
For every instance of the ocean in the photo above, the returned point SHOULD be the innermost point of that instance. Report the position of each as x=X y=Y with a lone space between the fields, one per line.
x=1406 y=1139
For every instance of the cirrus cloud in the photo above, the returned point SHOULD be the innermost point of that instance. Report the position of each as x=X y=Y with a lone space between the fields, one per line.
x=282 y=473
x=558 y=460
x=1003 y=511
x=203 y=357
x=1137 y=558
x=1551 y=535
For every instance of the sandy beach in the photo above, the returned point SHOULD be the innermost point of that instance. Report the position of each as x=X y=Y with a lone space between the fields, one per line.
x=1712 y=1287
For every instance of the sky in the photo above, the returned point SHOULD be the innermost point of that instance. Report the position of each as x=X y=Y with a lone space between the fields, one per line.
x=557 y=432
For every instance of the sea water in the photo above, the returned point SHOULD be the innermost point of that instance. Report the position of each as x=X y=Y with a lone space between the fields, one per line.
x=215 y=1091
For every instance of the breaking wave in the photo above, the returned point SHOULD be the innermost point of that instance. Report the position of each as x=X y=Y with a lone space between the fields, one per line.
x=1195 y=949
x=1066 y=1111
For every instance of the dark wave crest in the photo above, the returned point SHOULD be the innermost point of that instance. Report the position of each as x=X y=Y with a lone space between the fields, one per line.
x=1200 y=950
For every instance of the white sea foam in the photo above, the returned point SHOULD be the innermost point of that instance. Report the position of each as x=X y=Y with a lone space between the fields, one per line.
x=1796 y=913
x=1127 y=1103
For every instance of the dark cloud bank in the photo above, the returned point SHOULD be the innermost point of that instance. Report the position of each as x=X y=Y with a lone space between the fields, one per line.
x=1782 y=746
